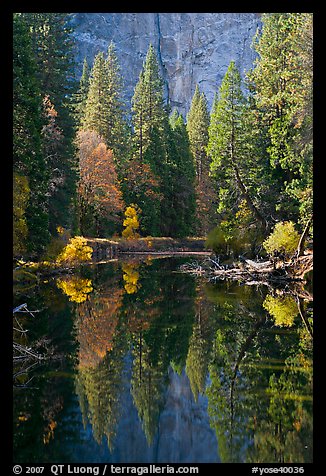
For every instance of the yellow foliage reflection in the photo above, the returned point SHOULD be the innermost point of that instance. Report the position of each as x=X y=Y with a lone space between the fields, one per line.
x=49 y=434
x=282 y=308
x=75 y=288
x=131 y=277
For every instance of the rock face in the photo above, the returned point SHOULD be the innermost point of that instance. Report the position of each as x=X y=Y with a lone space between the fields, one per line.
x=191 y=47
x=183 y=433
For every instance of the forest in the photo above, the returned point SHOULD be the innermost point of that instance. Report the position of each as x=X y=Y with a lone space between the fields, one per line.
x=86 y=164
x=98 y=347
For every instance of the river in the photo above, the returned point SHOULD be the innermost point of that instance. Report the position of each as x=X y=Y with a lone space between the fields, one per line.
x=145 y=364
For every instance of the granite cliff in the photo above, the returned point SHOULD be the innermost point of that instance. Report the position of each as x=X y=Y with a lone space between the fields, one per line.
x=191 y=47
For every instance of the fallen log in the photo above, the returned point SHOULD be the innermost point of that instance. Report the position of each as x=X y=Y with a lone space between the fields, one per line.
x=249 y=271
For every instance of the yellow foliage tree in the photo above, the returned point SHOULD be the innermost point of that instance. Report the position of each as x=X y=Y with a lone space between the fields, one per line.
x=282 y=308
x=76 y=251
x=75 y=288
x=131 y=222
x=284 y=238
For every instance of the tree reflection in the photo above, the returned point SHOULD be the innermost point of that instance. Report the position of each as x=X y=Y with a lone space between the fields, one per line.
x=249 y=352
x=131 y=277
x=75 y=287
x=261 y=381
x=97 y=319
x=282 y=308
x=100 y=360
x=200 y=345
x=148 y=384
x=159 y=338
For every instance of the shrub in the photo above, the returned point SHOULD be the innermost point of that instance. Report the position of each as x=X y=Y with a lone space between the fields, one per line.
x=56 y=244
x=229 y=239
x=76 y=251
x=284 y=239
x=216 y=241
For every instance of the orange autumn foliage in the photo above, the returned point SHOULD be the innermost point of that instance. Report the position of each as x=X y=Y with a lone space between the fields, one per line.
x=98 y=184
x=96 y=326
x=141 y=180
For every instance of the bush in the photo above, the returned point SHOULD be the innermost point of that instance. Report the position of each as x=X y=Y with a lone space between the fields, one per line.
x=224 y=240
x=216 y=241
x=284 y=239
x=76 y=251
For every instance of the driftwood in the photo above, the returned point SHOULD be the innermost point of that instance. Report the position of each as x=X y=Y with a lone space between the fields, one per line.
x=253 y=272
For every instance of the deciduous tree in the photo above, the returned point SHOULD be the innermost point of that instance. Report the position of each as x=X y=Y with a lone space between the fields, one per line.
x=99 y=187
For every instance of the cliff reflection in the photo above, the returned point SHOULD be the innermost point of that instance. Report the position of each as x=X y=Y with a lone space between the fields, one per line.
x=247 y=353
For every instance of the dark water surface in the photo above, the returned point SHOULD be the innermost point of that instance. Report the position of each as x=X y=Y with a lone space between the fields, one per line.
x=149 y=365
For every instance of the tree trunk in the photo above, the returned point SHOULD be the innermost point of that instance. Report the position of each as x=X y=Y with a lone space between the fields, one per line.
x=247 y=197
x=303 y=237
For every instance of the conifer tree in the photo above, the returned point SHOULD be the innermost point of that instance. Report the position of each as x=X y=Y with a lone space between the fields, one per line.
x=147 y=103
x=182 y=180
x=96 y=118
x=150 y=141
x=29 y=163
x=80 y=97
x=117 y=137
x=53 y=50
x=229 y=147
x=282 y=91
x=197 y=127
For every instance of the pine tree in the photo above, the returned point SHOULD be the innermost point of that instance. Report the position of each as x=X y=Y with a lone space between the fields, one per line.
x=96 y=118
x=103 y=110
x=117 y=137
x=27 y=144
x=197 y=127
x=150 y=142
x=53 y=50
x=80 y=97
x=147 y=103
x=229 y=147
x=282 y=90
x=182 y=180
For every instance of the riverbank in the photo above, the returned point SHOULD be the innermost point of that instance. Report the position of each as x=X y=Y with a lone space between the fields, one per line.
x=105 y=250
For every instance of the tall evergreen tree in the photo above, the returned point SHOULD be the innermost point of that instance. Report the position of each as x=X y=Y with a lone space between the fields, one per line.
x=229 y=147
x=80 y=97
x=148 y=103
x=150 y=125
x=97 y=103
x=282 y=90
x=197 y=127
x=53 y=50
x=182 y=180
x=29 y=163
x=117 y=137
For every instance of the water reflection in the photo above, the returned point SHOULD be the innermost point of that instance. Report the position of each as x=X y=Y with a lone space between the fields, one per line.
x=153 y=366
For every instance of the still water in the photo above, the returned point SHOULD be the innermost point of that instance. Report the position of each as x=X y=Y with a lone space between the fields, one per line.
x=149 y=365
